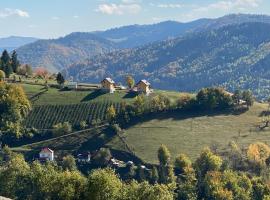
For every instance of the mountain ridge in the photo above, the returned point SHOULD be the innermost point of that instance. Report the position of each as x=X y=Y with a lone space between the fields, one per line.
x=233 y=56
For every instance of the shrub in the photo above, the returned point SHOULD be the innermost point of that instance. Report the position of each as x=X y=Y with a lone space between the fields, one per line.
x=62 y=129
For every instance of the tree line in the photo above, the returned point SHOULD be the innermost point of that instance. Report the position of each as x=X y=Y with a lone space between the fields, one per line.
x=236 y=176
x=10 y=64
x=207 y=99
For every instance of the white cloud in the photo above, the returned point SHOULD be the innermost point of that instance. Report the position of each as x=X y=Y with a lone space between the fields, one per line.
x=75 y=16
x=229 y=5
x=119 y=9
x=131 y=1
x=55 y=18
x=170 y=5
x=221 y=7
x=8 y=12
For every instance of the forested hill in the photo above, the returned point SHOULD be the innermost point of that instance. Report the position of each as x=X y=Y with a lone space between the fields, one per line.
x=137 y=35
x=55 y=54
x=60 y=53
x=13 y=42
x=234 y=56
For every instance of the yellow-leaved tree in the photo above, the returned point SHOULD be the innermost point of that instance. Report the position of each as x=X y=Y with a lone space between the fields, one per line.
x=14 y=107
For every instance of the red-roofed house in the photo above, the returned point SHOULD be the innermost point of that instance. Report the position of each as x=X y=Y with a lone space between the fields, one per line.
x=46 y=154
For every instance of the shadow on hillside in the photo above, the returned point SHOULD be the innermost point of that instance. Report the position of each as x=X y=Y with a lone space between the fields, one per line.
x=130 y=95
x=181 y=115
x=97 y=142
x=264 y=113
x=93 y=95
x=37 y=95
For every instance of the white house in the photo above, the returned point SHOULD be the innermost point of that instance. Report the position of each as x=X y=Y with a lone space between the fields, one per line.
x=46 y=154
x=143 y=86
x=108 y=85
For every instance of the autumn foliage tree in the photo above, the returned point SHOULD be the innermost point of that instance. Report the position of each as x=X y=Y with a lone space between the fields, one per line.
x=41 y=72
x=130 y=81
x=14 y=107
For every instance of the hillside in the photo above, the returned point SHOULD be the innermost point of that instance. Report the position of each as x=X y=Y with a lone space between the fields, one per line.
x=234 y=56
x=183 y=132
x=59 y=53
x=13 y=42
x=138 y=35
x=56 y=54
x=190 y=132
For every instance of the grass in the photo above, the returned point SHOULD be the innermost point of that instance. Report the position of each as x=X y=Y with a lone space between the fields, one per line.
x=182 y=132
x=66 y=144
x=54 y=106
x=189 y=133
x=39 y=96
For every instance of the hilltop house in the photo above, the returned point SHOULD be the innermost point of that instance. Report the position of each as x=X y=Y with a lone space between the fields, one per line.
x=46 y=154
x=143 y=86
x=108 y=85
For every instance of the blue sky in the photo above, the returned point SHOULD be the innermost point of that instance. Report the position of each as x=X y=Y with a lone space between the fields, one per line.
x=54 y=18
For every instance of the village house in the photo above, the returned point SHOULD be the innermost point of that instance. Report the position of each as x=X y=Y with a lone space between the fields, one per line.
x=108 y=85
x=46 y=154
x=84 y=157
x=143 y=86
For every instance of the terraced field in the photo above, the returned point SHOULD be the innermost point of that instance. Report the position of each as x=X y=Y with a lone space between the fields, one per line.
x=45 y=116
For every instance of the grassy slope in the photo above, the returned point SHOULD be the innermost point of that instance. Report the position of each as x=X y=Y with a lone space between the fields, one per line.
x=183 y=133
x=54 y=106
x=55 y=97
x=189 y=133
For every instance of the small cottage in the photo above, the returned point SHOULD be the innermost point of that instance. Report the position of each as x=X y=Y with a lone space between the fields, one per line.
x=143 y=86
x=108 y=85
x=84 y=157
x=46 y=154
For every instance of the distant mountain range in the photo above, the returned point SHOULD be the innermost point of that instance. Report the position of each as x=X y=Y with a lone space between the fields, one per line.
x=56 y=54
x=231 y=51
x=59 y=53
x=13 y=42
x=234 y=56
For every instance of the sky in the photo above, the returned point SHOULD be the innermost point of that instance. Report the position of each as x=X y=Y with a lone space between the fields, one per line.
x=55 y=18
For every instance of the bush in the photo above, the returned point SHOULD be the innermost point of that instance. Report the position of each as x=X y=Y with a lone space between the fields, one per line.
x=213 y=98
x=83 y=125
x=62 y=129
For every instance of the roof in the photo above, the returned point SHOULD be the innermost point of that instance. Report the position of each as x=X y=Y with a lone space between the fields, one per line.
x=46 y=149
x=109 y=80
x=144 y=81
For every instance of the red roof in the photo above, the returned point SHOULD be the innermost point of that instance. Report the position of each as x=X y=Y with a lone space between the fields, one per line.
x=46 y=149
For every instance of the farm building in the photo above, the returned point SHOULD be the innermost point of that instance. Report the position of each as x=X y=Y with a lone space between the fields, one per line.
x=143 y=86
x=46 y=154
x=108 y=85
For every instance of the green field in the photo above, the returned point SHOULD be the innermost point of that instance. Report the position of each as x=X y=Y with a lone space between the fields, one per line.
x=182 y=132
x=54 y=106
x=189 y=133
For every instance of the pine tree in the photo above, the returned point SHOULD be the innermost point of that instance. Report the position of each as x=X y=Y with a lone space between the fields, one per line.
x=5 y=63
x=5 y=58
x=14 y=62
x=60 y=78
